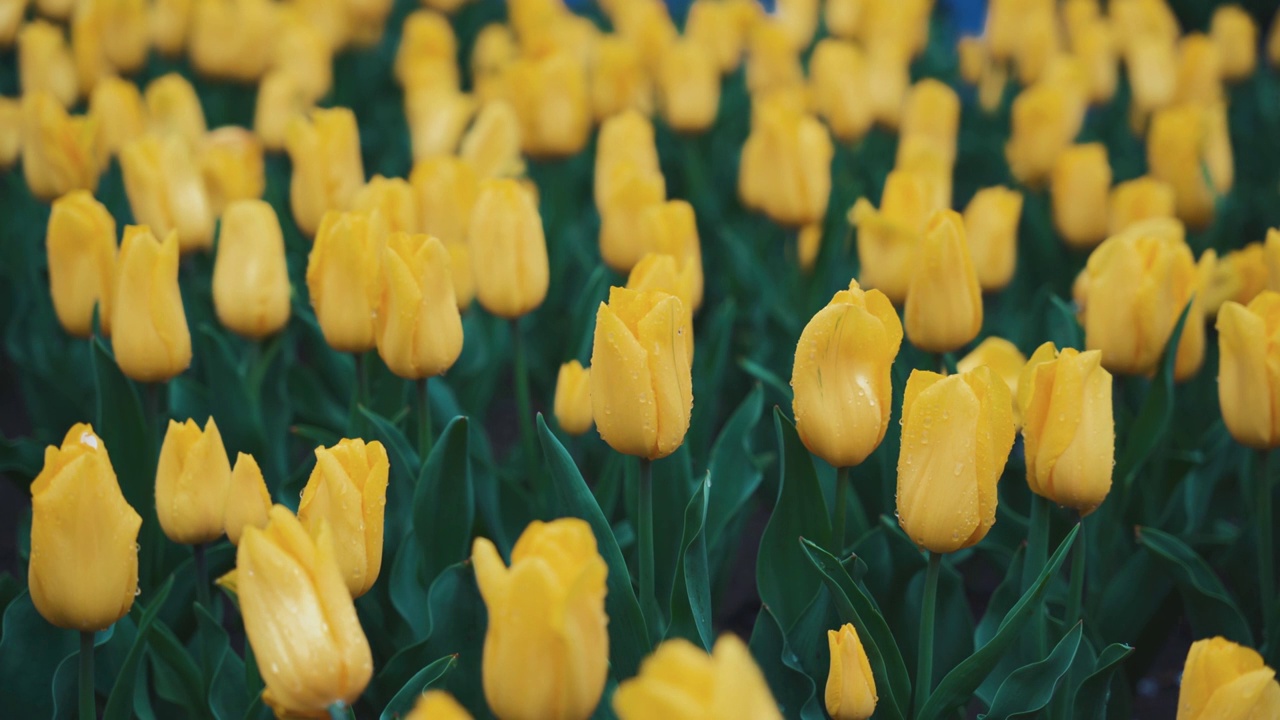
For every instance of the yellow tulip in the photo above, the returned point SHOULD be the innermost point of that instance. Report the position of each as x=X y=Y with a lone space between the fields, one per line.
x=45 y=63
x=664 y=273
x=1079 y=188
x=304 y=53
x=1065 y=401
x=170 y=20
x=851 y=688
x=713 y=24
x=682 y=682
x=624 y=138
x=623 y=236
x=428 y=52
x=1228 y=681
x=944 y=301
x=395 y=201
x=1236 y=35
x=808 y=245
x=492 y=144
x=12 y=15
x=1038 y=43
x=1004 y=358
x=672 y=229
x=418 y=329
x=193 y=477
x=932 y=111
x=233 y=39
x=280 y=100
x=845 y=18
x=60 y=152
x=508 y=249
x=121 y=118
x=367 y=19
x=1199 y=71
x=648 y=24
x=773 y=62
x=924 y=156
x=549 y=95
x=689 y=87
x=232 y=165
x=174 y=108
x=838 y=88
x=573 y=398
x=248 y=501
x=888 y=237
x=1139 y=199
x=1151 y=63
x=251 y=291
x=619 y=80
x=641 y=394
x=957 y=431
x=327 y=169
x=1238 y=276
x=163 y=179
x=1044 y=122
x=1271 y=254
x=548 y=604
x=1189 y=148
x=81 y=245
x=331 y=20
x=494 y=50
x=148 y=325
x=10 y=131
x=1248 y=374
x=437 y=118
x=347 y=494
x=437 y=704
x=342 y=278
x=841 y=376
x=1095 y=46
x=991 y=224
x=446 y=189
x=889 y=71
x=794 y=164
x=83 y=573
x=299 y=617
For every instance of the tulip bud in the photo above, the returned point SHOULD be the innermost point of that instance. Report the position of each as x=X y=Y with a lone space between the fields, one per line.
x=10 y=131
x=251 y=289
x=122 y=30
x=492 y=145
x=304 y=53
x=648 y=24
x=192 y=480
x=508 y=250
x=1095 y=46
x=1236 y=36
x=1044 y=123
x=12 y=15
x=331 y=20
x=45 y=63
x=1065 y=402
x=923 y=156
x=1199 y=71
x=619 y=81
x=149 y=332
x=932 y=111
x=1139 y=199
x=1189 y=148
x=428 y=52
x=1224 y=680
x=393 y=199
x=1238 y=276
x=315 y=654
x=991 y=225
x=970 y=419
x=889 y=72
x=84 y=555
x=550 y=601
x=1247 y=383
x=170 y=20
x=60 y=152
x=248 y=501
x=174 y=108
x=1004 y=359
x=446 y=189
x=166 y=189
x=641 y=393
x=672 y=229
x=851 y=688
x=944 y=302
x=327 y=169
x=117 y=107
x=1079 y=188
x=1151 y=64
x=232 y=165
x=347 y=493
x=794 y=170
x=773 y=62
x=841 y=376
x=573 y=398
x=838 y=88
x=808 y=245
x=367 y=19
x=623 y=239
x=437 y=118
x=689 y=86
x=493 y=52
x=438 y=704
x=418 y=329
x=233 y=39
x=686 y=682
x=887 y=238
x=549 y=95
x=81 y=243
x=624 y=138
x=663 y=273
x=280 y=100
x=712 y=24
x=342 y=278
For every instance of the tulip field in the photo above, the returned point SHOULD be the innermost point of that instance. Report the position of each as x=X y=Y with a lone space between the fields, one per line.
x=709 y=360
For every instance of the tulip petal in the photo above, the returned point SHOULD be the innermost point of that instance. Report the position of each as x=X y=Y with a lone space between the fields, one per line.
x=620 y=373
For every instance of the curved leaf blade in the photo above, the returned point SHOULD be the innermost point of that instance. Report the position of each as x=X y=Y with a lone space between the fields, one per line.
x=1030 y=688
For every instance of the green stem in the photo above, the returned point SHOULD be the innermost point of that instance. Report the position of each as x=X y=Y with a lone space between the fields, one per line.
x=524 y=406
x=648 y=602
x=1266 y=546
x=424 y=418
x=358 y=394
x=837 y=529
x=341 y=711
x=1037 y=556
x=202 y=577
x=1075 y=593
x=88 y=705
x=924 y=662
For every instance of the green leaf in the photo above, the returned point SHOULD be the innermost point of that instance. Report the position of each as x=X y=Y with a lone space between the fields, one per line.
x=1152 y=422
x=405 y=467
x=1209 y=604
x=1091 y=699
x=765 y=375
x=403 y=702
x=628 y=637
x=790 y=686
x=1030 y=688
x=64 y=686
x=443 y=504
x=732 y=476
x=177 y=677
x=854 y=606
x=691 y=596
x=672 y=487
x=31 y=649
x=228 y=693
x=959 y=684
x=120 y=701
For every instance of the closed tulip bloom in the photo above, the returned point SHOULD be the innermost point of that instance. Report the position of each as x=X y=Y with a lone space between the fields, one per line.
x=1199 y=74
x=1095 y=46
x=174 y=108
x=149 y=332
x=845 y=19
x=549 y=95
x=1065 y=401
x=299 y=617
x=1226 y=681
x=944 y=300
x=924 y=156
x=342 y=278
x=508 y=250
x=347 y=492
x=45 y=63
x=437 y=704
x=233 y=39
x=689 y=87
x=166 y=190
x=672 y=229
x=248 y=501
x=251 y=291
x=1236 y=35
x=192 y=480
x=851 y=688
x=841 y=376
x=12 y=15
x=712 y=24
x=1189 y=148
x=492 y=144
x=81 y=244
x=623 y=236
x=549 y=604
x=773 y=62
x=932 y=111
x=1152 y=64
x=573 y=398
x=682 y=682
x=83 y=573
x=797 y=152
x=808 y=245
x=888 y=237
x=1044 y=123
x=664 y=273
x=957 y=431
x=446 y=189
x=624 y=138
x=1004 y=358
x=327 y=169
x=60 y=152
x=419 y=331
x=1237 y=276
x=437 y=119
x=169 y=22
x=1079 y=188
x=123 y=36
x=280 y=100
x=991 y=225
x=1139 y=199
x=232 y=165
x=494 y=50
x=619 y=80
x=889 y=71
x=116 y=104
x=304 y=53
x=1248 y=374
x=838 y=87
x=395 y=201
x=10 y=131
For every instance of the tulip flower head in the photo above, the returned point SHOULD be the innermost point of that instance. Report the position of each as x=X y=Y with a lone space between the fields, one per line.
x=1249 y=370
x=689 y=87
x=618 y=79
x=944 y=300
x=851 y=688
x=838 y=86
x=888 y=237
x=192 y=480
x=174 y=108
x=418 y=328
x=573 y=398
x=682 y=682
x=116 y=104
x=81 y=244
x=251 y=291
x=1189 y=148
x=149 y=333
x=437 y=705
x=991 y=226
x=233 y=168
x=248 y=501
x=492 y=145
x=1236 y=36
x=166 y=189
x=549 y=95
x=1079 y=187
x=327 y=169
x=1136 y=200
x=1224 y=680
x=342 y=278
x=347 y=493
x=60 y=152
x=1004 y=358
x=508 y=249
